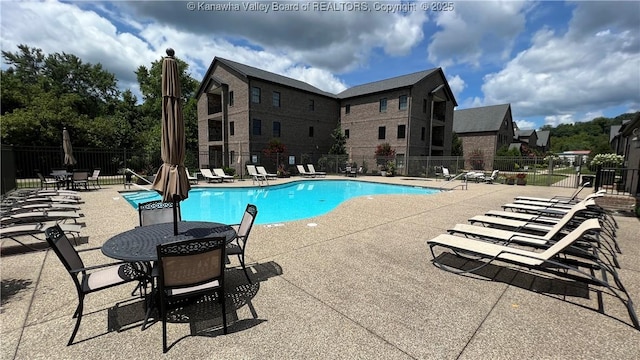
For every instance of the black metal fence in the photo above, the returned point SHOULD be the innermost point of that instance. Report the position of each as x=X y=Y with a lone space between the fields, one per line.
x=19 y=166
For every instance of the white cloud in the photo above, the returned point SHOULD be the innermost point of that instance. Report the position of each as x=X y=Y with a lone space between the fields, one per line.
x=122 y=36
x=555 y=120
x=525 y=124
x=561 y=78
x=457 y=85
x=477 y=30
x=65 y=28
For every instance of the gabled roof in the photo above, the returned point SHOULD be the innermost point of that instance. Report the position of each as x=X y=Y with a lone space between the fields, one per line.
x=517 y=146
x=524 y=133
x=373 y=87
x=543 y=137
x=480 y=119
x=252 y=72
x=386 y=85
x=614 y=132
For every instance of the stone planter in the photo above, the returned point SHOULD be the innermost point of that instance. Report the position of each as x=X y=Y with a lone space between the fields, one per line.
x=521 y=181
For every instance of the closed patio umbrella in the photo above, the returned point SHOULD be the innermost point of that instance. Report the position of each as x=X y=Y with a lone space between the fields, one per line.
x=172 y=182
x=69 y=160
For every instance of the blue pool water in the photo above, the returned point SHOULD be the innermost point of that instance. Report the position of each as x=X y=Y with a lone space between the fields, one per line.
x=276 y=203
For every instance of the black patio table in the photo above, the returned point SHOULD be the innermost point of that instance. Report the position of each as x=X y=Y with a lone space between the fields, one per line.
x=139 y=244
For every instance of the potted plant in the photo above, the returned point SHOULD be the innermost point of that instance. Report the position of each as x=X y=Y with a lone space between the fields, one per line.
x=383 y=169
x=282 y=171
x=510 y=179
x=521 y=179
x=391 y=168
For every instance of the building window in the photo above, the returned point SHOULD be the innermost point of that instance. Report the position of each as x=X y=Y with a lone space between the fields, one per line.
x=347 y=108
x=346 y=133
x=230 y=98
x=257 y=127
x=310 y=131
x=402 y=102
x=423 y=133
x=215 y=130
x=276 y=129
x=213 y=104
x=401 y=131
x=424 y=106
x=255 y=95
x=276 y=99
x=383 y=105
x=382 y=132
x=439 y=110
x=312 y=105
x=232 y=128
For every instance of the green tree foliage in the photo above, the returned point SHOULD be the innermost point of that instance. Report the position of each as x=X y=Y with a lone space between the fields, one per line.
x=592 y=135
x=41 y=94
x=339 y=142
x=150 y=80
x=44 y=94
x=456 y=145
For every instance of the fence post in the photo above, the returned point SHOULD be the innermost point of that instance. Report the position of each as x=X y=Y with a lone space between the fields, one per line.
x=596 y=185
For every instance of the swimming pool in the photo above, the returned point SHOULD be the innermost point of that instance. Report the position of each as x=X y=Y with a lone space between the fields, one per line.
x=277 y=203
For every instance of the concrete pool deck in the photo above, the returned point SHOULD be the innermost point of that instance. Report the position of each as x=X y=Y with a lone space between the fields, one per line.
x=358 y=285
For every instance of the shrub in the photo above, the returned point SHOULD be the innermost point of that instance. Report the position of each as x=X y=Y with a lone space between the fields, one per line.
x=607 y=160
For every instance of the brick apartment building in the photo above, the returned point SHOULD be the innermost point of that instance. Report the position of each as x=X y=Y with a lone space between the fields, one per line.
x=242 y=108
x=484 y=130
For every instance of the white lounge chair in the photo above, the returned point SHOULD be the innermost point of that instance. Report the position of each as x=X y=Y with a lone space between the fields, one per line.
x=474 y=176
x=208 y=175
x=303 y=172
x=14 y=232
x=192 y=179
x=550 y=261
x=492 y=178
x=480 y=231
x=37 y=216
x=446 y=174
x=220 y=173
x=312 y=170
x=251 y=170
x=262 y=171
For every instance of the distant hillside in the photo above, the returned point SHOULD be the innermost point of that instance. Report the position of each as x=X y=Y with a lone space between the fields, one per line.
x=592 y=135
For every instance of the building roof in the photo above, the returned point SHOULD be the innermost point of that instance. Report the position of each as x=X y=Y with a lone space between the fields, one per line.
x=524 y=133
x=543 y=137
x=252 y=72
x=385 y=85
x=480 y=119
x=576 y=152
x=615 y=131
x=373 y=87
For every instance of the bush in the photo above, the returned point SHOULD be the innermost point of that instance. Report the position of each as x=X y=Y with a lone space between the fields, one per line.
x=612 y=160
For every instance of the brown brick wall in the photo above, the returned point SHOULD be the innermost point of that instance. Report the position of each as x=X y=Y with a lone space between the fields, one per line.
x=294 y=115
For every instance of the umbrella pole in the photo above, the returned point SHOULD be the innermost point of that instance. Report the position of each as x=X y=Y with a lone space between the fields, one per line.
x=175 y=217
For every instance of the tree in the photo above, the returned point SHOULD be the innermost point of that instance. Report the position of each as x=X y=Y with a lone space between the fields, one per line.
x=385 y=150
x=150 y=81
x=274 y=149
x=44 y=93
x=339 y=142
x=456 y=145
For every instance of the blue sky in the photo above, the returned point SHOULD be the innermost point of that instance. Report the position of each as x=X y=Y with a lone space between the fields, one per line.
x=553 y=61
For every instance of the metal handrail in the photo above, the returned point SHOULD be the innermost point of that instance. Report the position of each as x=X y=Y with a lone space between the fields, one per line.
x=463 y=186
x=139 y=177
